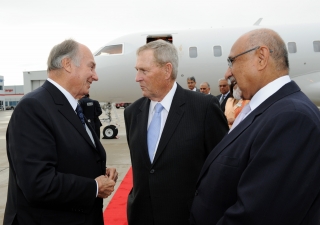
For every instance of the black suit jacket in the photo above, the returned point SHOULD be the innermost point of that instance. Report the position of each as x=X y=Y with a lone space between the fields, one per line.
x=88 y=108
x=223 y=103
x=53 y=163
x=92 y=110
x=97 y=113
x=265 y=171
x=163 y=191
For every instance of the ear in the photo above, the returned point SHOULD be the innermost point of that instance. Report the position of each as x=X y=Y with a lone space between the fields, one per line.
x=263 y=57
x=67 y=64
x=168 y=70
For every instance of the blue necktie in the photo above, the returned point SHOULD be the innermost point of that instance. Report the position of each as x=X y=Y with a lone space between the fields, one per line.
x=154 y=130
x=80 y=115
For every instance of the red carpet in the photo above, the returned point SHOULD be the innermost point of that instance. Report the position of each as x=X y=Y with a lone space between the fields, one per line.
x=116 y=211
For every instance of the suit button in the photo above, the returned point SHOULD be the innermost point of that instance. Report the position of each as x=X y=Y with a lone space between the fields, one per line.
x=152 y=171
x=196 y=193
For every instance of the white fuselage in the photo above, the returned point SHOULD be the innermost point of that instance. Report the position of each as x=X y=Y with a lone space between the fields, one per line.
x=117 y=71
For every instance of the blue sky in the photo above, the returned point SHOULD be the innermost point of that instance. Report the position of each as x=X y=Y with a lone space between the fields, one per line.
x=29 y=29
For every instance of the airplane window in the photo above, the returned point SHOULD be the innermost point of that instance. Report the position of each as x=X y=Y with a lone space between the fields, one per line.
x=193 y=52
x=110 y=50
x=292 y=47
x=316 y=46
x=217 y=52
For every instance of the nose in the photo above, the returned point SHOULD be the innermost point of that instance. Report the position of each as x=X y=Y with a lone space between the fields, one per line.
x=228 y=73
x=138 y=76
x=95 y=76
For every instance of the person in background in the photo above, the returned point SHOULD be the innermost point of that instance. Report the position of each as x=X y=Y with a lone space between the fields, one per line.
x=205 y=88
x=97 y=113
x=92 y=110
x=191 y=81
x=234 y=104
x=170 y=132
x=225 y=93
x=57 y=165
x=266 y=170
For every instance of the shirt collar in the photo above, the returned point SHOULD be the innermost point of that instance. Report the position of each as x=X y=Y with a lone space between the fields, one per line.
x=268 y=90
x=73 y=102
x=167 y=100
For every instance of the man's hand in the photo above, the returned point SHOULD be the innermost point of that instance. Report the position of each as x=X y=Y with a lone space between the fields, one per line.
x=112 y=174
x=105 y=186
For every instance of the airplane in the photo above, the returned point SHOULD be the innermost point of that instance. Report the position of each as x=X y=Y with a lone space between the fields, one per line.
x=203 y=54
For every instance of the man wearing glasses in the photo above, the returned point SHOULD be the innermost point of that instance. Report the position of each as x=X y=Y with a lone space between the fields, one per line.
x=266 y=170
x=225 y=93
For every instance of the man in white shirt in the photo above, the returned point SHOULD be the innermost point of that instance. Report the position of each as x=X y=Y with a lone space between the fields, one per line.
x=167 y=158
x=205 y=88
x=58 y=171
x=266 y=170
x=225 y=93
x=191 y=81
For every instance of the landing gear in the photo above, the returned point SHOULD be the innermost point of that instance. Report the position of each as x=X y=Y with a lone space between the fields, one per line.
x=110 y=132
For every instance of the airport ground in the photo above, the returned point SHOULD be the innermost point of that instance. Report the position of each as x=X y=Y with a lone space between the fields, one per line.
x=117 y=155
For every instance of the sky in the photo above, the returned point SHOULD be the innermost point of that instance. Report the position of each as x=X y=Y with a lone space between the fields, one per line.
x=29 y=29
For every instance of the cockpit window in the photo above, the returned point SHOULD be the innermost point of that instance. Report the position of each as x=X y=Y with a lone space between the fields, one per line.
x=111 y=50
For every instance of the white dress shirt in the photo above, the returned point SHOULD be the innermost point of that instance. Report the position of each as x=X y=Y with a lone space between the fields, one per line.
x=166 y=103
x=267 y=91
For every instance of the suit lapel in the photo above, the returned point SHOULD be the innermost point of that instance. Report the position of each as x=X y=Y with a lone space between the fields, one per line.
x=287 y=89
x=142 y=123
x=173 y=119
x=66 y=110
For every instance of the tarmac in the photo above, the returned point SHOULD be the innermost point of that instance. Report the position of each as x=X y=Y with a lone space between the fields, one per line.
x=117 y=150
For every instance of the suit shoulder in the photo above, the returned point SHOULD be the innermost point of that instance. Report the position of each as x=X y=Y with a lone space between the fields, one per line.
x=135 y=105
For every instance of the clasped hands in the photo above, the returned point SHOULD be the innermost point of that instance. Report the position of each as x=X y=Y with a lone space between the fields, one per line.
x=107 y=182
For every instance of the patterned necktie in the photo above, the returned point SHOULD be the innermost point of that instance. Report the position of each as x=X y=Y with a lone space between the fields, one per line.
x=241 y=116
x=154 y=131
x=221 y=99
x=80 y=115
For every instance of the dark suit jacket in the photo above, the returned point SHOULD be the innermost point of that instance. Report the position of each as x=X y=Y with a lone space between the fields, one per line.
x=223 y=104
x=53 y=163
x=163 y=191
x=88 y=108
x=265 y=171
x=97 y=113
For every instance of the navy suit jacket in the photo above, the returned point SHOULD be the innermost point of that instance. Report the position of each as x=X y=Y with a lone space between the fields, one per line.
x=163 y=191
x=267 y=170
x=53 y=163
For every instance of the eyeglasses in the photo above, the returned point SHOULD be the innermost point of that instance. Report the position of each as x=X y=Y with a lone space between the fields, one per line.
x=230 y=60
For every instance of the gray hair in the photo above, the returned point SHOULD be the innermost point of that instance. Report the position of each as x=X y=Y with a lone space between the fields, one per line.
x=192 y=78
x=228 y=81
x=66 y=49
x=163 y=52
x=206 y=84
x=274 y=42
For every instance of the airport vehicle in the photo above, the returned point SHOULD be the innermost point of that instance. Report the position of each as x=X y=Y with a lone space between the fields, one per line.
x=122 y=104
x=9 y=107
x=202 y=53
